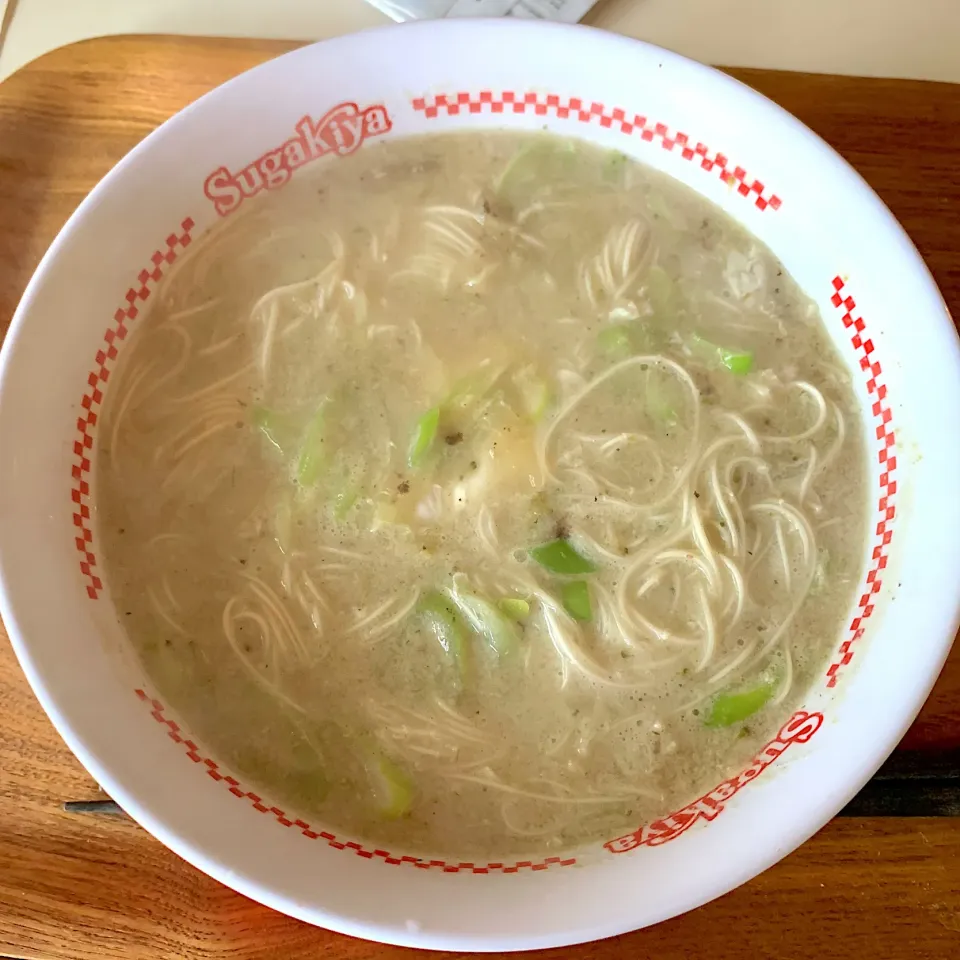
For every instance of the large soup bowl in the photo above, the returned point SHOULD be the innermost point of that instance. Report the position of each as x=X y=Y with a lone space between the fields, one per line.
x=880 y=306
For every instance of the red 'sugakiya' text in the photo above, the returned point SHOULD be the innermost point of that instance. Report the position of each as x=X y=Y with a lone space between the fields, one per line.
x=798 y=729
x=340 y=131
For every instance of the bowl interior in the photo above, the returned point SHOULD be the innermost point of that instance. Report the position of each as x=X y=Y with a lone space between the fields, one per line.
x=728 y=143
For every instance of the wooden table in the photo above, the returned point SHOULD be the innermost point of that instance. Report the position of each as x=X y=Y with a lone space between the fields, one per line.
x=96 y=888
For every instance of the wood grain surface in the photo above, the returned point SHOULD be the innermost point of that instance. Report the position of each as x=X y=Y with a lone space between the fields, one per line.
x=81 y=887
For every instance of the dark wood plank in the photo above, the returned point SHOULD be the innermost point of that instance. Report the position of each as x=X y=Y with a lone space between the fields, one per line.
x=912 y=783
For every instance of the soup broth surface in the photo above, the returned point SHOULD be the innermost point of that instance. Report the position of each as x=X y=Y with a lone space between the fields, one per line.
x=481 y=494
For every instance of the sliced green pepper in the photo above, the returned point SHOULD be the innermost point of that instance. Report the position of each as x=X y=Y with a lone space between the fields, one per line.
x=615 y=341
x=730 y=708
x=472 y=388
x=558 y=556
x=343 y=501
x=424 y=435
x=313 y=454
x=576 y=600
x=739 y=362
x=441 y=618
x=392 y=789
x=515 y=608
x=534 y=164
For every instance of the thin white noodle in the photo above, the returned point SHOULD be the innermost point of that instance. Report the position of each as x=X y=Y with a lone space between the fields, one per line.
x=821 y=418
x=543 y=442
x=213 y=387
x=163 y=614
x=583 y=800
x=227 y=621
x=193 y=311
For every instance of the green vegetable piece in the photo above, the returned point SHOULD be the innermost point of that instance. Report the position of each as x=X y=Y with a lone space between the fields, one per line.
x=739 y=362
x=440 y=616
x=489 y=622
x=558 y=556
x=535 y=163
x=533 y=391
x=313 y=455
x=730 y=708
x=424 y=435
x=392 y=789
x=515 y=608
x=472 y=388
x=576 y=600
x=615 y=341
x=343 y=501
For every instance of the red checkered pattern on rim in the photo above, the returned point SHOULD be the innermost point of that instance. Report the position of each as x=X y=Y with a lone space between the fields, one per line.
x=213 y=771
x=886 y=456
x=93 y=397
x=587 y=112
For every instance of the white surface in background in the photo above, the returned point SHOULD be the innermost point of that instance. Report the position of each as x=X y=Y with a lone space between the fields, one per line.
x=566 y=11
x=3 y=11
x=919 y=38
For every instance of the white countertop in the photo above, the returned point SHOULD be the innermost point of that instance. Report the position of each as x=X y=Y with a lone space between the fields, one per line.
x=896 y=38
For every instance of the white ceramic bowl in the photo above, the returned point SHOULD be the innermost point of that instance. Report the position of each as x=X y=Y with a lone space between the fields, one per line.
x=733 y=146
